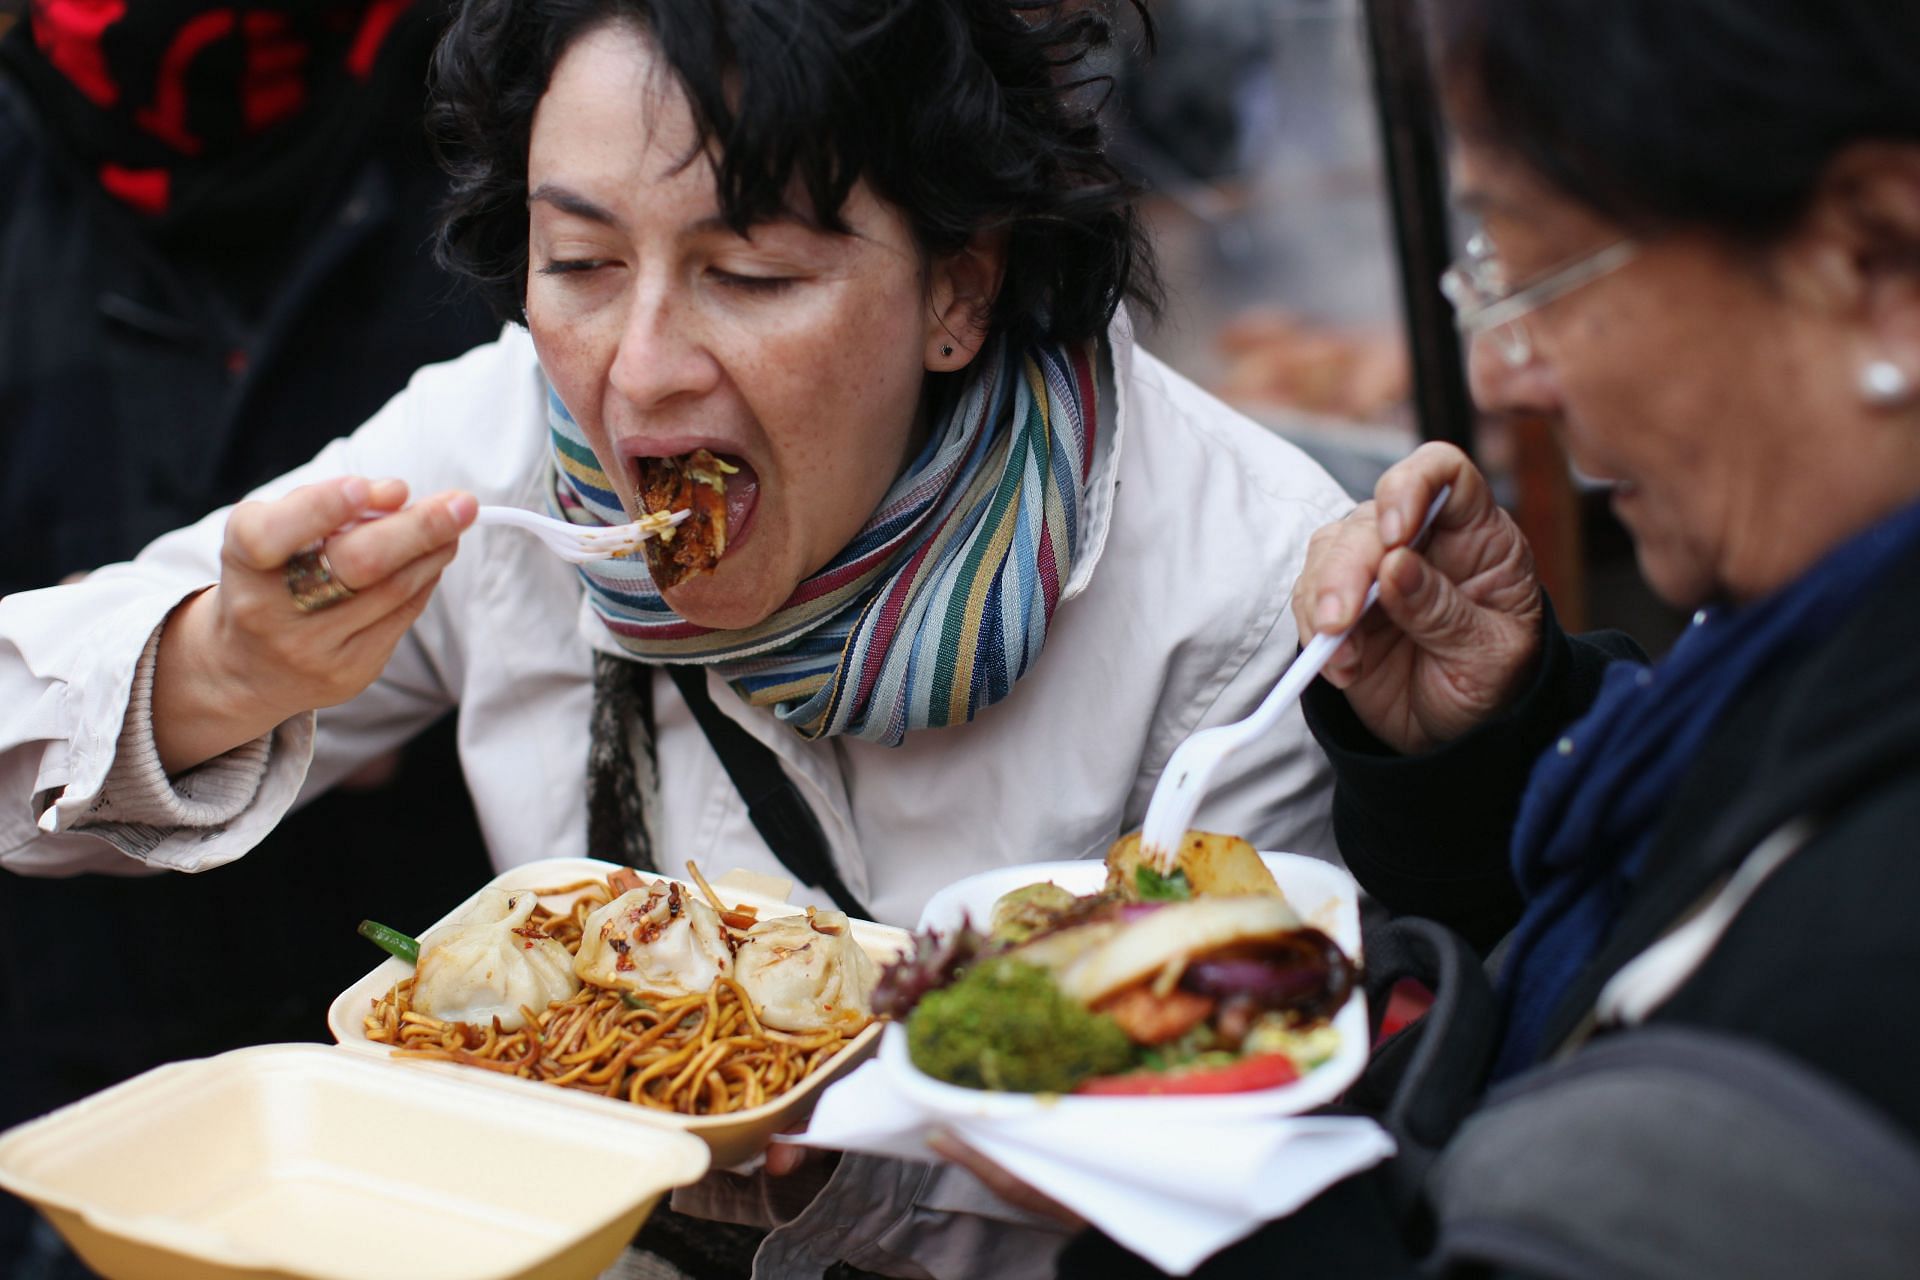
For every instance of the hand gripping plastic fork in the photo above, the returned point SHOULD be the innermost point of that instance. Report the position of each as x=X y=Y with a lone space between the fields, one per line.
x=1177 y=795
x=579 y=543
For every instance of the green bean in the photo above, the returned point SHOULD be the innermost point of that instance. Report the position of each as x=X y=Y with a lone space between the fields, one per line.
x=391 y=941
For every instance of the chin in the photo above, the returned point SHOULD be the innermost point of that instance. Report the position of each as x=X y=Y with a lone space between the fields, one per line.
x=712 y=600
x=1678 y=585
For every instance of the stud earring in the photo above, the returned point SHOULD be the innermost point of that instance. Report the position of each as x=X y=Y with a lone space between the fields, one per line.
x=946 y=348
x=1885 y=385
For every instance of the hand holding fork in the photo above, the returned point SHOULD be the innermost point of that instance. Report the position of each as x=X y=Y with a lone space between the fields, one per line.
x=316 y=590
x=1177 y=795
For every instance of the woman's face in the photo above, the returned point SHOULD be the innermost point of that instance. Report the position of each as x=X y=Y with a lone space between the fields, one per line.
x=797 y=354
x=1688 y=379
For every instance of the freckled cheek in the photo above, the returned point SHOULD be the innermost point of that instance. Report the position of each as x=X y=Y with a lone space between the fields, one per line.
x=836 y=388
x=874 y=402
x=575 y=361
x=837 y=436
x=563 y=345
x=843 y=382
x=584 y=332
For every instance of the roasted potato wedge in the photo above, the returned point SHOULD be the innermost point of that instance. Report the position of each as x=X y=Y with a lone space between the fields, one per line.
x=1215 y=865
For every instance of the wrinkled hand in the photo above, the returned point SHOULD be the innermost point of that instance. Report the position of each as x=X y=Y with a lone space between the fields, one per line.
x=242 y=657
x=1456 y=632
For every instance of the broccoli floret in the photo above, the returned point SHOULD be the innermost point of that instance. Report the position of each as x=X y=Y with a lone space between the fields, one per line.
x=1005 y=1025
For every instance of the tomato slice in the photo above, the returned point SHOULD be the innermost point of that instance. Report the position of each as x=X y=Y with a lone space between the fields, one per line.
x=1261 y=1071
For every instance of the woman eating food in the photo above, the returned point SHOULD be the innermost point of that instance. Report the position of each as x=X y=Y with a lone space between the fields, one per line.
x=1702 y=868
x=964 y=564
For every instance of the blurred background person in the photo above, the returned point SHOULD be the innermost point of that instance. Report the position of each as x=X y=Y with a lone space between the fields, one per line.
x=213 y=258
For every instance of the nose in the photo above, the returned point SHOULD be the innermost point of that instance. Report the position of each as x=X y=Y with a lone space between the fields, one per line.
x=663 y=353
x=1499 y=387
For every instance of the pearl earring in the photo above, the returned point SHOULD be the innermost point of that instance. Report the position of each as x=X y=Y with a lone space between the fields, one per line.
x=1885 y=385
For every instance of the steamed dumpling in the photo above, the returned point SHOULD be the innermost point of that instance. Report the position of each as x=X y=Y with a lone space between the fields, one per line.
x=654 y=938
x=805 y=973
x=489 y=962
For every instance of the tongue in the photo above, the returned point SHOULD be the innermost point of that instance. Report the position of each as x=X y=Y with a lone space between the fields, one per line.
x=743 y=488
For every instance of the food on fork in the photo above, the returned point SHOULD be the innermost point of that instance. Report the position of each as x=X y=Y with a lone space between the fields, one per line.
x=1178 y=990
x=696 y=483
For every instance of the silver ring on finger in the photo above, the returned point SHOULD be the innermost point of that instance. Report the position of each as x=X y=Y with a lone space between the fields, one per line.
x=312 y=582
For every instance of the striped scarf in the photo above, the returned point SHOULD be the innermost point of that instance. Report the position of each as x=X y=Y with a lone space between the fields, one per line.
x=938 y=604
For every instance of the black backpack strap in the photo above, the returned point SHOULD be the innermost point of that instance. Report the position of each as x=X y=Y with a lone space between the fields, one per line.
x=1421 y=1083
x=775 y=806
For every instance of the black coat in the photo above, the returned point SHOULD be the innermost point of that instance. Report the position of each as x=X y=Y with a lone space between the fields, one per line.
x=141 y=388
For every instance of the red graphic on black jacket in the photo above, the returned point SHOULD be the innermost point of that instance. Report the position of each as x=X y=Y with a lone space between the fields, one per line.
x=198 y=79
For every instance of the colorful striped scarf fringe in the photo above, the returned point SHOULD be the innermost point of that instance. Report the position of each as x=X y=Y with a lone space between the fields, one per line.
x=936 y=607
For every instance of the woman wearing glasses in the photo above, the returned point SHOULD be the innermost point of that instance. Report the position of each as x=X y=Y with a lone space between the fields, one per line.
x=1699 y=252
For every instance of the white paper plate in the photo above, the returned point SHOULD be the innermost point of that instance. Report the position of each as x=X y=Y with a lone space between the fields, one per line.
x=1323 y=895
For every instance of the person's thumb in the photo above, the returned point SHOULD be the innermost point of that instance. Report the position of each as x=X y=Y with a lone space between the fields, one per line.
x=1422 y=602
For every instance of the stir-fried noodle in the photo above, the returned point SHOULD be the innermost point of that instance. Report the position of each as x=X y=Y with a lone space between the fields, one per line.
x=699 y=1054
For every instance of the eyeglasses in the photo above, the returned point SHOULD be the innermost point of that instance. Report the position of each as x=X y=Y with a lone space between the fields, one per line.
x=1483 y=303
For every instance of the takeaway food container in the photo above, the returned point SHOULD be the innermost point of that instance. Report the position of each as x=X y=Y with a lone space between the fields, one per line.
x=304 y=1161
x=732 y=1138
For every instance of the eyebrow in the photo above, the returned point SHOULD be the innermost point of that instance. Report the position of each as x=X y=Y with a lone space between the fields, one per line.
x=569 y=201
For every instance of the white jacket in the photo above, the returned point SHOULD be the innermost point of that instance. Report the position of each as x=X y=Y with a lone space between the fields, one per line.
x=1175 y=617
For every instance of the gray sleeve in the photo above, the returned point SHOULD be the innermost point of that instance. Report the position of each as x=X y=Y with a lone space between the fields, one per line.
x=139 y=793
x=1675 y=1152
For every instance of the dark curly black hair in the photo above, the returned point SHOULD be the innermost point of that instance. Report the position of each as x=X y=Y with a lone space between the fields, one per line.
x=968 y=115
x=1716 y=114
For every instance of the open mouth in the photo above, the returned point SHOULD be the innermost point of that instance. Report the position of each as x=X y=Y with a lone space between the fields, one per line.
x=719 y=491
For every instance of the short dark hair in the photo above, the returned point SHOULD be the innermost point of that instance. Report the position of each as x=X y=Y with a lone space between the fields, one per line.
x=968 y=115
x=1716 y=114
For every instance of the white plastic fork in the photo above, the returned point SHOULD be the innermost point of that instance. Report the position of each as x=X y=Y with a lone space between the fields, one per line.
x=1176 y=797
x=580 y=543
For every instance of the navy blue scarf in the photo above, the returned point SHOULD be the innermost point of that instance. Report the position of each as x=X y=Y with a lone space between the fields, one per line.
x=1595 y=799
